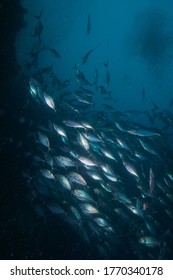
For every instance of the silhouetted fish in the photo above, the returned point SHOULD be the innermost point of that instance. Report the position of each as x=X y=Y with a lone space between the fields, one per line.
x=88 y=25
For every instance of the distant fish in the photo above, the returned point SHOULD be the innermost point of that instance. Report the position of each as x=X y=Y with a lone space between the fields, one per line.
x=149 y=241
x=38 y=29
x=47 y=174
x=54 y=52
x=85 y=91
x=43 y=139
x=106 y=63
x=96 y=76
x=55 y=208
x=82 y=100
x=151 y=181
x=80 y=78
x=86 y=56
x=39 y=16
x=73 y=124
x=107 y=106
x=150 y=117
x=101 y=89
x=47 y=70
x=143 y=132
x=155 y=106
x=88 y=25
x=75 y=67
x=66 y=83
x=108 y=78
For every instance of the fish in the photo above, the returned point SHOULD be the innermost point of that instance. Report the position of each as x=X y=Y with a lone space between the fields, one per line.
x=82 y=195
x=108 y=154
x=64 y=181
x=66 y=83
x=47 y=174
x=87 y=125
x=163 y=251
x=72 y=109
x=86 y=56
x=64 y=161
x=123 y=144
x=147 y=147
x=96 y=76
x=151 y=181
x=131 y=169
x=39 y=95
x=49 y=101
x=47 y=70
x=94 y=175
x=54 y=52
x=149 y=241
x=73 y=124
x=143 y=132
x=150 y=117
x=85 y=91
x=101 y=89
x=88 y=209
x=92 y=138
x=55 y=208
x=44 y=140
x=106 y=63
x=77 y=178
x=38 y=29
x=101 y=222
x=82 y=100
x=155 y=106
x=108 y=78
x=60 y=130
x=39 y=15
x=86 y=161
x=106 y=175
x=81 y=79
x=89 y=24
x=34 y=87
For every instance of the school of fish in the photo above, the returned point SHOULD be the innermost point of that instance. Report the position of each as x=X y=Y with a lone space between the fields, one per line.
x=110 y=178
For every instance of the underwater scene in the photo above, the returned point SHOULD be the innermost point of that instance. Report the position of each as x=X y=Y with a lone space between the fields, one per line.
x=87 y=129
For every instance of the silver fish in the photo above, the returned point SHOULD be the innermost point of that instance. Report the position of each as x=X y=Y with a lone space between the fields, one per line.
x=77 y=178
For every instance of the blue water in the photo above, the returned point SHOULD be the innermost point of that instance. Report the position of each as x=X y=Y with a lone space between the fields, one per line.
x=136 y=39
